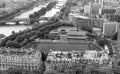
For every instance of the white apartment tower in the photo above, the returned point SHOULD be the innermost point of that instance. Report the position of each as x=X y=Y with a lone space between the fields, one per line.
x=87 y=9
x=109 y=28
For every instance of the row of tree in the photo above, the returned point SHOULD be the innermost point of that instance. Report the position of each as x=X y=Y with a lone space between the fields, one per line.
x=17 y=40
x=42 y=11
x=89 y=69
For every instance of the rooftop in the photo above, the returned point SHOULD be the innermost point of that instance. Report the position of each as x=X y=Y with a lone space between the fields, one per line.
x=77 y=33
x=87 y=54
x=19 y=52
x=67 y=46
x=108 y=11
x=78 y=16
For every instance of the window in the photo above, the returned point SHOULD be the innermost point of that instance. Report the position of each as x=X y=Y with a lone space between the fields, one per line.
x=69 y=55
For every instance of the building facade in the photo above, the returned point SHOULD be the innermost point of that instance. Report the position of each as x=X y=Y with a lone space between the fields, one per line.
x=96 y=8
x=109 y=28
x=87 y=9
x=79 y=20
x=67 y=59
x=27 y=59
x=98 y=1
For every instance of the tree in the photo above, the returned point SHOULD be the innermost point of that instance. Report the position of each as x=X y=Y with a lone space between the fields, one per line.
x=19 y=39
x=79 y=70
x=42 y=11
x=96 y=72
x=107 y=70
x=114 y=37
x=2 y=36
x=36 y=14
x=88 y=69
x=101 y=42
x=63 y=9
x=17 y=70
x=70 y=71
x=13 y=32
x=91 y=35
x=12 y=44
x=24 y=42
x=31 y=16
x=3 y=42
x=41 y=69
x=51 y=72
x=87 y=28
x=12 y=36
x=2 y=5
x=26 y=35
x=51 y=5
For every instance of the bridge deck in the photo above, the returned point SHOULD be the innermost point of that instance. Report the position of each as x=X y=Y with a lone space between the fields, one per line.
x=24 y=19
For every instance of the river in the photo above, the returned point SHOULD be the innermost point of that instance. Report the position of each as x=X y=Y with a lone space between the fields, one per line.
x=7 y=30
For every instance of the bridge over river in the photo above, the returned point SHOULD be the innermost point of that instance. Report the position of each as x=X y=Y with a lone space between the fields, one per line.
x=21 y=21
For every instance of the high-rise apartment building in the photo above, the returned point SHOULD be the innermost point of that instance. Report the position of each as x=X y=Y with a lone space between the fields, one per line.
x=87 y=9
x=109 y=28
x=96 y=8
x=79 y=20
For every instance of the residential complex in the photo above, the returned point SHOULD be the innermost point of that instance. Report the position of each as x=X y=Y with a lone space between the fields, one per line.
x=66 y=59
x=26 y=58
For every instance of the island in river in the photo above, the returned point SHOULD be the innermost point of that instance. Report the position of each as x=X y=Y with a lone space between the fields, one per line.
x=11 y=8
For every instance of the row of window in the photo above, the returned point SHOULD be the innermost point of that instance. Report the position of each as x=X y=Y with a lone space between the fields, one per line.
x=12 y=66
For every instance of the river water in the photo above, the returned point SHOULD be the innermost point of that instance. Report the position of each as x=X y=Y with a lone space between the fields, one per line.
x=7 y=30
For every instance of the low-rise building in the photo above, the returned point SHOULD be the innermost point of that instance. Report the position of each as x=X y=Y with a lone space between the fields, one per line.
x=68 y=33
x=77 y=36
x=66 y=59
x=29 y=59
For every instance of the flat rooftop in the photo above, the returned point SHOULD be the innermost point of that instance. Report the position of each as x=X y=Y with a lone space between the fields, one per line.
x=66 y=46
x=79 y=16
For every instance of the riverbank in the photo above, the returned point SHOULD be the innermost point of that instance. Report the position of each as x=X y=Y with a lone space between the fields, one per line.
x=37 y=3
x=7 y=30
